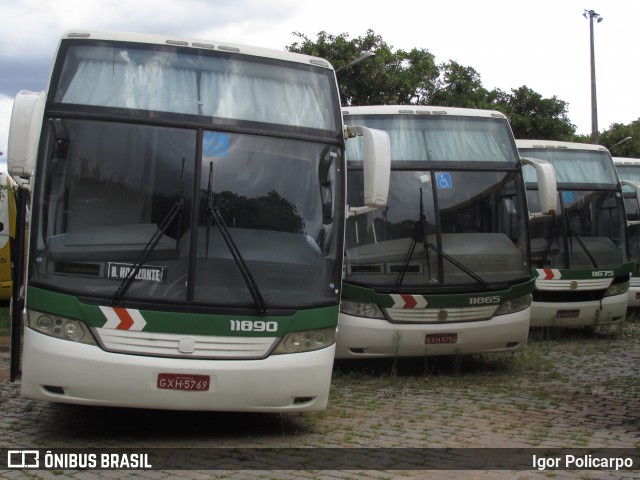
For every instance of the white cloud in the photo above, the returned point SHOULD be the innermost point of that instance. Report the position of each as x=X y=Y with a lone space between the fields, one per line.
x=6 y=104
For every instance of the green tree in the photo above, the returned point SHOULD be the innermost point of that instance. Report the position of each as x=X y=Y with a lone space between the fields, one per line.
x=389 y=77
x=533 y=116
x=614 y=139
x=460 y=86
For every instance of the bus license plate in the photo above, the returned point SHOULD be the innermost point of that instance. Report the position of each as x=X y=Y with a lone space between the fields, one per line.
x=440 y=338
x=181 y=381
x=567 y=313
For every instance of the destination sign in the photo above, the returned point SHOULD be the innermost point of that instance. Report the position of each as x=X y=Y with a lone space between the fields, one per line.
x=146 y=273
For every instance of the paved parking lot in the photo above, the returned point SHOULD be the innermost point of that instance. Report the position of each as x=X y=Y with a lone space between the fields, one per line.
x=574 y=390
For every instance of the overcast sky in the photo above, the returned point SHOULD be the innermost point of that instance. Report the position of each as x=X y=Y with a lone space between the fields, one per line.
x=543 y=44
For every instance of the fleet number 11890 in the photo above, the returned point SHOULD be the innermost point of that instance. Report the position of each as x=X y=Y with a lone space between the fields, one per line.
x=253 y=326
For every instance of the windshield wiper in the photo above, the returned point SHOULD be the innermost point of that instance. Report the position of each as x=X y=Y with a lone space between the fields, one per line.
x=584 y=247
x=571 y=235
x=553 y=234
x=176 y=210
x=214 y=212
x=420 y=235
x=148 y=250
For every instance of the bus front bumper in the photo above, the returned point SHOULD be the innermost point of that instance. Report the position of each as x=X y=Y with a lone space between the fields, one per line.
x=67 y=372
x=577 y=314
x=634 y=292
x=360 y=337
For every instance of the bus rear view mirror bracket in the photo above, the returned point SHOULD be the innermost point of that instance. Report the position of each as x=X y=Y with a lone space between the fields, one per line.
x=547 y=186
x=376 y=167
x=24 y=134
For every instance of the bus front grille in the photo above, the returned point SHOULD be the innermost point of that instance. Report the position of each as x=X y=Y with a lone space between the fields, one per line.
x=440 y=315
x=183 y=345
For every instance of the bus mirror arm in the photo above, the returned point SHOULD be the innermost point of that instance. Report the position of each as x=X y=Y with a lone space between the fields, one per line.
x=547 y=186
x=376 y=166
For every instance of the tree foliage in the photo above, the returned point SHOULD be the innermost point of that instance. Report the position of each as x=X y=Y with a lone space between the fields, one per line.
x=615 y=139
x=460 y=86
x=535 y=117
x=389 y=77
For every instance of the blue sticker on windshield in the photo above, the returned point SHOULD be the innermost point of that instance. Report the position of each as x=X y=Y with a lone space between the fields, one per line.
x=568 y=197
x=216 y=144
x=443 y=180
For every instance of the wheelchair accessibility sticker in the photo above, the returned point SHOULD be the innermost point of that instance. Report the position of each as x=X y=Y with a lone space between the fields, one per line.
x=443 y=180
x=216 y=144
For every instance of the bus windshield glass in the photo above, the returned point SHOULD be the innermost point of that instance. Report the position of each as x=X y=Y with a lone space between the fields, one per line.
x=632 y=207
x=212 y=86
x=589 y=229
x=202 y=214
x=631 y=173
x=440 y=138
x=575 y=167
x=456 y=210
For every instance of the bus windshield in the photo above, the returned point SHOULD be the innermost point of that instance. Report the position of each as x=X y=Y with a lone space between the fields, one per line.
x=209 y=199
x=589 y=229
x=455 y=214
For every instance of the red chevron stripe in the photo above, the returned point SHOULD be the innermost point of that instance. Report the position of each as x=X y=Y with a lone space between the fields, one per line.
x=549 y=274
x=409 y=301
x=125 y=319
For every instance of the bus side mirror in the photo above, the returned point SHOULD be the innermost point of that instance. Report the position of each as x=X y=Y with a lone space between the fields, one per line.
x=547 y=185
x=636 y=187
x=24 y=135
x=376 y=166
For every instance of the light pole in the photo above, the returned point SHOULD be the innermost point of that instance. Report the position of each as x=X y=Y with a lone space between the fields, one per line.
x=591 y=15
x=362 y=57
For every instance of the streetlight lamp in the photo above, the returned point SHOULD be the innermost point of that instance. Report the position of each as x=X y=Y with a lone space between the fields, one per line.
x=591 y=16
x=625 y=139
x=362 y=57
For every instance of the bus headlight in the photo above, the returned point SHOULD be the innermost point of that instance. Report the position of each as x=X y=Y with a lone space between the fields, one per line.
x=360 y=309
x=307 y=341
x=514 y=305
x=617 y=289
x=60 y=327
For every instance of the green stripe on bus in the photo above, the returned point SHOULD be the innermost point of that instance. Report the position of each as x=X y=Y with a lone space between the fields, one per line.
x=70 y=306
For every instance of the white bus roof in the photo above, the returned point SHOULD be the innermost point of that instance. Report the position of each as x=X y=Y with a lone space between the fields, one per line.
x=420 y=110
x=626 y=161
x=198 y=44
x=559 y=145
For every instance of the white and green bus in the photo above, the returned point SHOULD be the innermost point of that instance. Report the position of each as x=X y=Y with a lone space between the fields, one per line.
x=629 y=173
x=187 y=224
x=444 y=268
x=580 y=255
